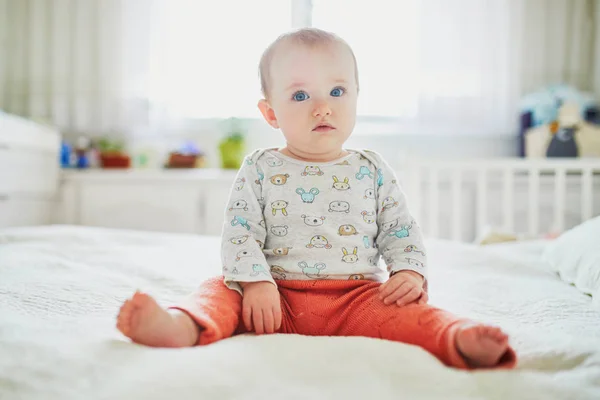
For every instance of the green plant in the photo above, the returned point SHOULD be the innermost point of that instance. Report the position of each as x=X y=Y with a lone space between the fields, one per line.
x=106 y=146
x=233 y=146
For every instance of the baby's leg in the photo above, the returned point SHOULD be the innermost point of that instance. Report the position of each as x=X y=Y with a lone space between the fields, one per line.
x=209 y=314
x=456 y=342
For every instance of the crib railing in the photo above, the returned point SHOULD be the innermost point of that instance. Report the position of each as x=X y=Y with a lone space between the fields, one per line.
x=457 y=199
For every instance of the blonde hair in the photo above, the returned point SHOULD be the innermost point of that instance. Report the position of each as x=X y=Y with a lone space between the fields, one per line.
x=310 y=37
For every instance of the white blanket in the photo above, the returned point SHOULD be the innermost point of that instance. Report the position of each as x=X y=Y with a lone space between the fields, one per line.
x=61 y=287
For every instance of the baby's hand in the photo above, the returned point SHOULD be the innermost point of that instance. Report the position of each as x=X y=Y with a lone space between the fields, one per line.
x=261 y=307
x=404 y=287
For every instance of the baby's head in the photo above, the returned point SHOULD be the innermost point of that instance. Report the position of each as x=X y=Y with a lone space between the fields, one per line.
x=309 y=80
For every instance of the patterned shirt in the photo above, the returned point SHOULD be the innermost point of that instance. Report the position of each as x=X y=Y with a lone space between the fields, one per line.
x=291 y=219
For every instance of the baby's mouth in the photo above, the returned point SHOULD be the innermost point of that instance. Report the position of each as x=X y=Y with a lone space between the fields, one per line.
x=323 y=128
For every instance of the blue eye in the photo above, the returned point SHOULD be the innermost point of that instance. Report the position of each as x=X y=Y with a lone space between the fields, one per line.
x=300 y=96
x=337 y=92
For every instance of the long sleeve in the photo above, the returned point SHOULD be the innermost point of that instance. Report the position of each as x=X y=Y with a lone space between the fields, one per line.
x=244 y=230
x=399 y=238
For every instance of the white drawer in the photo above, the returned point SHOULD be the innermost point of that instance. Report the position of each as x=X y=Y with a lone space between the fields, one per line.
x=19 y=211
x=27 y=170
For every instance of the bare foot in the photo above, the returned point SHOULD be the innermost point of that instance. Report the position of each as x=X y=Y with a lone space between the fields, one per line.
x=142 y=320
x=481 y=345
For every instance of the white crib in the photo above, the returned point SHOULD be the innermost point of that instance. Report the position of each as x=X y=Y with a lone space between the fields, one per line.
x=459 y=199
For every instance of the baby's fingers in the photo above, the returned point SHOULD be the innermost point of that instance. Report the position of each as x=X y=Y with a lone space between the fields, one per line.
x=277 y=315
x=268 y=320
x=257 y=320
x=404 y=288
x=247 y=317
x=389 y=287
x=412 y=295
x=424 y=298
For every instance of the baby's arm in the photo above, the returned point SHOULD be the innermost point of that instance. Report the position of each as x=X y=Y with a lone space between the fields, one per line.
x=245 y=267
x=399 y=239
x=244 y=232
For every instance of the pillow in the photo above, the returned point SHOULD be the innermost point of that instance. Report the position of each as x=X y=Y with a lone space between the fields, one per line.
x=575 y=256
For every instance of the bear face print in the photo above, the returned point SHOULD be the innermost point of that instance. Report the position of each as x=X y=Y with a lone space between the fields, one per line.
x=239 y=184
x=339 y=206
x=369 y=194
x=388 y=203
x=280 y=179
x=239 y=205
x=319 y=242
x=274 y=162
x=308 y=197
x=340 y=185
x=388 y=226
x=347 y=230
x=279 y=230
x=312 y=170
x=415 y=263
x=350 y=258
x=369 y=217
x=239 y=239
x=260 y=244
x=278 y=272
x=282 y=251
x=242 y=254
x=279 y=205
x=311 y=220
x=356 y=277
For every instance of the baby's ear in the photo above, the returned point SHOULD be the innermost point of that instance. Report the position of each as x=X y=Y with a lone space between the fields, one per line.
x=268 y=113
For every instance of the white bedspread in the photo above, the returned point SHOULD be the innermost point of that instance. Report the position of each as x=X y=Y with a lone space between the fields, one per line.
x=61 y=287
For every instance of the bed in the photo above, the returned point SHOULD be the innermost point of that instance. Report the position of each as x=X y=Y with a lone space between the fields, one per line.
x=61 y=287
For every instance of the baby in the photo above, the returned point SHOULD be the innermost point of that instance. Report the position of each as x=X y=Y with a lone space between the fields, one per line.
x=305 y=228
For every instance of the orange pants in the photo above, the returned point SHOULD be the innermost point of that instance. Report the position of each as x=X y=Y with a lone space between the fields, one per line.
x=334 y=308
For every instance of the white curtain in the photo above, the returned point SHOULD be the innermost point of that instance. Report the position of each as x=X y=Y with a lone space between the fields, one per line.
x=102 y=66
x=79 y=64
x=460 y=66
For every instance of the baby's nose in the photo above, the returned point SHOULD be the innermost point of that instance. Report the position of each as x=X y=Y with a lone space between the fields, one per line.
x=322 y=109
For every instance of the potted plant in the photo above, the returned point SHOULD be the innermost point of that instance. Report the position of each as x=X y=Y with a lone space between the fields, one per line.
x=233 y=146
x=112 y=154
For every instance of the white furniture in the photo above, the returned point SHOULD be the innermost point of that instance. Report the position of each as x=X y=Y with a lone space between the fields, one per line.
x=183 y=201
x=29 y=165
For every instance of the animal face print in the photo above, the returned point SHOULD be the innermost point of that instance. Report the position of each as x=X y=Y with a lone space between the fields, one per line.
x=306 y=270
x=239 y=205
x=280 y=179
x=274 y=162
x=279 y=205
x=339 y=206
x=239 y=239
x=260 y=244
x=369 y=217
x=308 y=197
x=350 y=258
x=347 y=230
x=387 y=226
x=340 y=185
x=388 y=203
x=237 y=220
x=312 y=170
x=282 y=251
x=364 y=171
x=242 y=254
x=312 y=220
x=320 y=242
x=356 y=277
x=369 y=194
x=278 y=272
x=258 y=269
x=411 y=248
x=415 y=263
x=239 y=184
x=279 y=230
